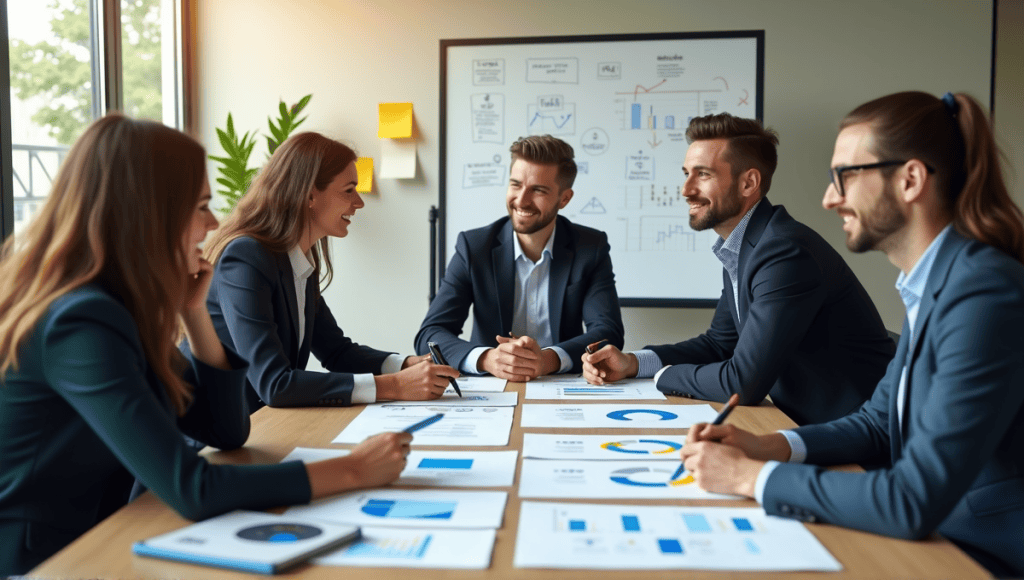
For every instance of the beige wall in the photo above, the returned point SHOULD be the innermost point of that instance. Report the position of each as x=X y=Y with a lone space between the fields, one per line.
x=823 y=57
x=1009 y=93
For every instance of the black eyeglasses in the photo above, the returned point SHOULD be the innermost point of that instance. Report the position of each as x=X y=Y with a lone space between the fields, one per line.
x=836 y=173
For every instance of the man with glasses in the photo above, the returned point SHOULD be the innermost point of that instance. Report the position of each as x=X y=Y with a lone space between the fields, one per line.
x=793 y=321
x=918 y=178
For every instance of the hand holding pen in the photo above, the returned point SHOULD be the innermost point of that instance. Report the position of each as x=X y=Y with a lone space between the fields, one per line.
x=698 y=431
x=607 y=364
x=715 y=461
x=435 y=354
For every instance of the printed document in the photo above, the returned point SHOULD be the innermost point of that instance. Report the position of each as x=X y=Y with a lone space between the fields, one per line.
x=625 y=537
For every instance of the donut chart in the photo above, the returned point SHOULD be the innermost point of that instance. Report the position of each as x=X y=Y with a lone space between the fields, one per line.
x=279 y=533
x=642 y=446
x=649 y=477
x=624 y=414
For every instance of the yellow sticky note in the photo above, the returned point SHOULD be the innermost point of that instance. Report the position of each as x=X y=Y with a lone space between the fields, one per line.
x=364 y=168
x=395 y=120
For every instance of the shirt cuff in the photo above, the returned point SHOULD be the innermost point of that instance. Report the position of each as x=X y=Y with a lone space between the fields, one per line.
x=762 y=480
x=797 y=447
x=648 y=363
x=469 y=363
x=364 y=388
x=392 y=364
x=563 y=357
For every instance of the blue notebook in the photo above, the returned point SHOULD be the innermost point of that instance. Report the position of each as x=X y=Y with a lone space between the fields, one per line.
x=249 y=541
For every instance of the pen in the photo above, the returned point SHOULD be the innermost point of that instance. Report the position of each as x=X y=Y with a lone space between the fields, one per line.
x=428 y=421
x=435 y=354
x=596 y=346
x=734 y=400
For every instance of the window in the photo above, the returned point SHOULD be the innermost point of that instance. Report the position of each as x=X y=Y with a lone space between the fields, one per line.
x=70 y=61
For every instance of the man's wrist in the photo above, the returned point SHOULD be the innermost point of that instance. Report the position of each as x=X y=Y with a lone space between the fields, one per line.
x=634 y=365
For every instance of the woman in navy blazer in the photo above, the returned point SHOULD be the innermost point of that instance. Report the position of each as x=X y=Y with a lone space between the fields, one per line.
x=265 y=300
x=93 y=394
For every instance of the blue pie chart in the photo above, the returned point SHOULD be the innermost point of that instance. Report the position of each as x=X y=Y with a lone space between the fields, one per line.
x=623 y=414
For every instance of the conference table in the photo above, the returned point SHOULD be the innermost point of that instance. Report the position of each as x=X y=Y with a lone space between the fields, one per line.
x=105 y=551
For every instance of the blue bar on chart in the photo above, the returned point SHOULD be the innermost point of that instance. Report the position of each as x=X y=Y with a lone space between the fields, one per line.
x=670 y=122
x=635 y=111
x=411 y=549
x=696 y=523
x=670 y=546
x=436 y=463
x=743 y=524
x=630 y=523
x=577 y=525
x=752 y=547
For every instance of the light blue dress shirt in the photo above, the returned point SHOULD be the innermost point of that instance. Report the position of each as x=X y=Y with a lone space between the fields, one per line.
x=728 y=252
x=531 y=315
x=911 y=288
x=364 y=387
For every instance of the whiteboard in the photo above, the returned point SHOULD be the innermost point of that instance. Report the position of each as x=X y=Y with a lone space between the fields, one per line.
x=623 y=102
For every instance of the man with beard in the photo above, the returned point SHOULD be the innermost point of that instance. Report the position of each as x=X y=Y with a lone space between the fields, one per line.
x=916 y=177
x=793 y=321
x=534 y=279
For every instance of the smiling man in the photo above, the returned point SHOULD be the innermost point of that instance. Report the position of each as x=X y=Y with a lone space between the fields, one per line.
x=918 y=178
x=534 y=279
x=793 y=321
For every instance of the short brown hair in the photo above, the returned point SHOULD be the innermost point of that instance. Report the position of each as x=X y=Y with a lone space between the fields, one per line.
x=751 y=145
x=547 y=150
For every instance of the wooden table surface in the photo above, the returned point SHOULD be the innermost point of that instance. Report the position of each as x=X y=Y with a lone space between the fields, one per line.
x=105 y=551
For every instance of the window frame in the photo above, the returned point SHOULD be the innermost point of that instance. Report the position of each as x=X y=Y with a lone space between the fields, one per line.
x=107 y=74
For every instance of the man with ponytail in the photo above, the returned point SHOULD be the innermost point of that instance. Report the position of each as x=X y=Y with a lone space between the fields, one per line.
x=918 y=178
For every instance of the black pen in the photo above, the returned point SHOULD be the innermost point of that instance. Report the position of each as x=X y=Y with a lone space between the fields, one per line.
x=435 y=355
x=733 y=402
x=424 y=423
x=594 y=347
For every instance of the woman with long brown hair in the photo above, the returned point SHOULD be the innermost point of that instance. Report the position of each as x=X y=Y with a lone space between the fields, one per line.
x=269 y=256
x=93 y=392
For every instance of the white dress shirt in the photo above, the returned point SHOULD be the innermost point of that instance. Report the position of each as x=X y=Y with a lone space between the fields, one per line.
x=531 y=315
x=364 y=387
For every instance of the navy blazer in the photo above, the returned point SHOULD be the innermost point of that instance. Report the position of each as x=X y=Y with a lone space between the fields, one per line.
x=84 y=415
x=254 y=309
x=958 y=456
x=482 y=274
x=807 y=332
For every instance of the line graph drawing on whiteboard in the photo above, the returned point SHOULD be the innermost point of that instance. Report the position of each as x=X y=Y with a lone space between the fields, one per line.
x=671 y=234
x=561 y=122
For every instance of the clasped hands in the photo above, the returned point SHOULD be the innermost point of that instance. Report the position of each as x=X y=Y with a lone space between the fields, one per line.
x=518 y=359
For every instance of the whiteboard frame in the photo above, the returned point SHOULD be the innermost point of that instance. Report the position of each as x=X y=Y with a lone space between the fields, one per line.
x=446 y=44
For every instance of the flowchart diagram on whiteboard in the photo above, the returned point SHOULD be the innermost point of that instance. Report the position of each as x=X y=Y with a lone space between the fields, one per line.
x=623 y=103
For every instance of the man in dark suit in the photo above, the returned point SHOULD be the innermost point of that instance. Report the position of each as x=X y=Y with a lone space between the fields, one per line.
x=534 y=279
x=793 y=321
x=949 y=414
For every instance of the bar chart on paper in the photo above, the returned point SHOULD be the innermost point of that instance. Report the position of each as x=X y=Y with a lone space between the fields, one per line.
x=553 y=535
x=405 y=548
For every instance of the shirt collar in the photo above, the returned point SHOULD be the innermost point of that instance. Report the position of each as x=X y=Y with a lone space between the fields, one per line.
x=735 y=240
x=548 y=247
x=302 y=266
x=911 y=286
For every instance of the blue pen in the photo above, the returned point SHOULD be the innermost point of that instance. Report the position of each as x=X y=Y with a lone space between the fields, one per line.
x=424 y=423
x=729 y=406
